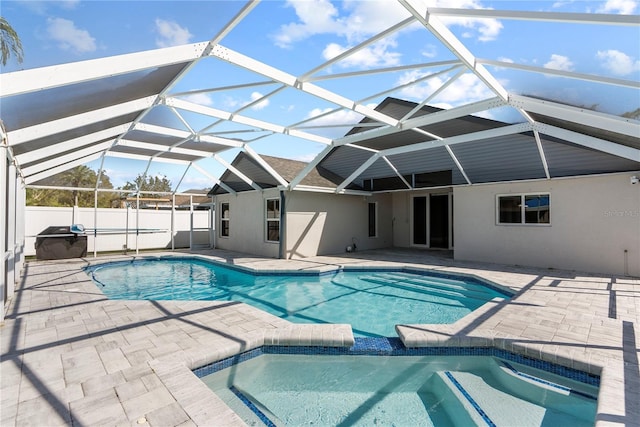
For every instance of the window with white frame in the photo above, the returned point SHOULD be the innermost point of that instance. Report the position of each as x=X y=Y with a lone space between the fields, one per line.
x=225 y=218
x=523 y=209
x=272 y=214
x=373 y=220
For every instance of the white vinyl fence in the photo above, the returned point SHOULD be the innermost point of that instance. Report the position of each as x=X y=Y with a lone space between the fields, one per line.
x=112 y=225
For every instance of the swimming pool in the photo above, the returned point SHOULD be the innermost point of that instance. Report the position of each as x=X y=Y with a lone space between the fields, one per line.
x=373 y=301
x=452 y=390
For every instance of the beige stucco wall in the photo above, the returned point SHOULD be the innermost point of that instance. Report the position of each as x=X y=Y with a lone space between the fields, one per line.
x=247 y=224
x=593 y=221
x=401 y=205
x=316 y=223
x=320 y=223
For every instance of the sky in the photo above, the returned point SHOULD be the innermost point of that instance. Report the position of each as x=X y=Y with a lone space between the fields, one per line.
x=298 y=36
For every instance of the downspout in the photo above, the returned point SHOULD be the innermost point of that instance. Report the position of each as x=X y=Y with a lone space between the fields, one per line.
x=283 y=226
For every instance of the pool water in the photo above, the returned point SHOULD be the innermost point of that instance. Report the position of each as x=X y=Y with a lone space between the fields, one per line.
x=373 y=302
x=301 y=390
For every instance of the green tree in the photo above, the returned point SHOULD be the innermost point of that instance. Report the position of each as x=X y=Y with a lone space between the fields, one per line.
x=10 y=43
x=144 y=183
x=78 y=177
x=149 y=183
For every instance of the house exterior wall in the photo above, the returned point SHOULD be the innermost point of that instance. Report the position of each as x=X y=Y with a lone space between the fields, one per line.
x=593 y=221
x=402 y=217
x=247 y=223
x=321 y=223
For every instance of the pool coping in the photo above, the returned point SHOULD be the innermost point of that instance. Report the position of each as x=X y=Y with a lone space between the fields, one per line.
x=418 y=335
x=448 y=335
x=393 y=347
x=545 y=320
x=320 y=271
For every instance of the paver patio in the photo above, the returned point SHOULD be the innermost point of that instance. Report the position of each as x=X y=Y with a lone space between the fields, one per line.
x=70 y=356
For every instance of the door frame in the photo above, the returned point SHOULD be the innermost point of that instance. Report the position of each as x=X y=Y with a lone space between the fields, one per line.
x=427 y=219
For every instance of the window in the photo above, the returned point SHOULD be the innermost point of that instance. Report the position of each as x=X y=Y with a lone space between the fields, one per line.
x=373 y=220
x=273 y=220
x=225 y=217
x=524 y=209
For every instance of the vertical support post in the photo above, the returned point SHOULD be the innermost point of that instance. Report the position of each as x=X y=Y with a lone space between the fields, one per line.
x=12 y=182
x=211 y=226
x=95 y=222
x=137 y=220
x=4 y=184
x=126 y=228
x=214 y=215
x=451 y=231
x=173 y=214
x=282 y=250
x=191 y=223
x=20 y=224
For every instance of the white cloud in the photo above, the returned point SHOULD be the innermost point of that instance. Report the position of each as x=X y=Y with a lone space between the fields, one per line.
x=119 y=177
x=429 y=51
x=237 y=103
x=199 y=98
x=341 y=117
x=623 y=7
x=356 y=20
x=69 y=37
x=375 y=55
x=359 y=20
x=559 y=62
x=617 y=62
x=486 y=29
x=316 y=17
x=260 y=105
x=171 y=34
x=365 y=18
x=69 y=4
x=467 y=88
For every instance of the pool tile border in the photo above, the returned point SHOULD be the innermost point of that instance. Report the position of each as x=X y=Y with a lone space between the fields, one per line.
x=394 y=347
x=562 y=317
x=470 y=399
x=249 y=404
x=545 y=382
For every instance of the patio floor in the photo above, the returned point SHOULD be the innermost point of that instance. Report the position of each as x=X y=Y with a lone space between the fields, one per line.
x=70 y=356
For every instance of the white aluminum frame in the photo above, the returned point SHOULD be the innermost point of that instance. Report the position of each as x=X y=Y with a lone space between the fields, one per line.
x=34 y=164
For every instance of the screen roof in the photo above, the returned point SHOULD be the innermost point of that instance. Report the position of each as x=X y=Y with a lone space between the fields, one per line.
x=194 y=106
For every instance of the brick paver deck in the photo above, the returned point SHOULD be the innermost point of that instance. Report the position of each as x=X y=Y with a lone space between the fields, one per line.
x=70 y=356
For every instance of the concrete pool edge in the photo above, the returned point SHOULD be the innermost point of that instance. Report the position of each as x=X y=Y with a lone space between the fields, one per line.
x=456 y=334
x=99 y=347
x=205 y=407
x=318 y=270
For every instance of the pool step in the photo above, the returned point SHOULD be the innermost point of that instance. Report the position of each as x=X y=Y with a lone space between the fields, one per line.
x=520 y=381
x=489 y=402
x=442 y=283
x=248 y=408
x=437 y=291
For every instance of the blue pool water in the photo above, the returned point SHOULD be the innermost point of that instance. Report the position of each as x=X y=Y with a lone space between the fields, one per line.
x=327 y=390
x=372 y=301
